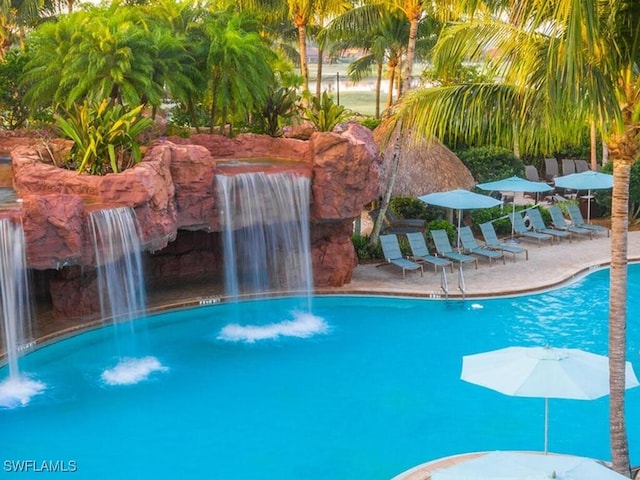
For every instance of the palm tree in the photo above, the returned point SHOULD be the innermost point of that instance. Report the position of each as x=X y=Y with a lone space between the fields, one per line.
x=311 y=12
x=557 y=64
x=239 y=65
x=384 y=42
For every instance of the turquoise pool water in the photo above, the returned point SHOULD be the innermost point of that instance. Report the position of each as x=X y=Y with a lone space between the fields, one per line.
x=364 y=388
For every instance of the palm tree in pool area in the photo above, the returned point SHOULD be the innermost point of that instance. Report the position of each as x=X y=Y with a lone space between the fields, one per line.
x=559 y=65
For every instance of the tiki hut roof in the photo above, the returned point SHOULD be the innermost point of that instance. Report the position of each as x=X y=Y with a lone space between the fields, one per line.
x=424 y=167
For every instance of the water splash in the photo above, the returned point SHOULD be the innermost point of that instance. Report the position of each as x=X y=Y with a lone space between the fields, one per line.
x=130 y=371
x=304 y=325
x=17 y=391
x=16 y=315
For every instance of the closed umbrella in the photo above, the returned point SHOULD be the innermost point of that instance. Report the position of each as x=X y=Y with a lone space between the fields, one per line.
x=459 y=200
x=526 y=465
x=588 y=180
x=543 y=372
x=514 y=184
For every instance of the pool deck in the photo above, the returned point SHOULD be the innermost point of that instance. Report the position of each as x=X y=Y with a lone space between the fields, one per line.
x=548 y=266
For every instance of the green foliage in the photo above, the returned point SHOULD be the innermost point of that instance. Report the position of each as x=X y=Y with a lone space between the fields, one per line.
x=364 y=250
x=369 y=122
x=443 y=225
x=13 y=112
x=461 y=74
x=409 y=207
x=280 y=106
x=323 y=112
x=104 y=136
x=491 y=163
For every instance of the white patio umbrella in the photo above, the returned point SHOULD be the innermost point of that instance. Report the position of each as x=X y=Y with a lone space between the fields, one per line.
x=459 y=200
x=588 y=180
x=526 y=465
x=514 y=184
x=543 y=372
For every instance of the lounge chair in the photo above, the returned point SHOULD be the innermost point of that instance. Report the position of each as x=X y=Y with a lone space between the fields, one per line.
x=568 y=166
x=551 y=169
x=537 y=222
x=420 y=252
x=491 y=240
x=520 y=229
x=443 y=246
x=472 y=247
x=582 y=166
x=576 y=218
x=393 y=255
x=561 y=223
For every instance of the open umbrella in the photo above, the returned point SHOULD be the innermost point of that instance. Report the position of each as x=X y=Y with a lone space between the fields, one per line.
x=543 y=372
x=515 y=184
x=526 y=465
x=588 y=180
x=460 y=200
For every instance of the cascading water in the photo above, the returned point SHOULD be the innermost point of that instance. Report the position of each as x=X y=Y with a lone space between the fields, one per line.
x=266 y=233
x=122 y=289
x=17 y=389
x=267 y=248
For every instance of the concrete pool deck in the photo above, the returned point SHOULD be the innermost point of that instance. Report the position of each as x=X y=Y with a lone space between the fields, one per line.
x=548 y=266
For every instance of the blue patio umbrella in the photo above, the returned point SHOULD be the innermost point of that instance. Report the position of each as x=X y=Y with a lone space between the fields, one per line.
x=459 y=200
x=515 y=184
x=588 y=180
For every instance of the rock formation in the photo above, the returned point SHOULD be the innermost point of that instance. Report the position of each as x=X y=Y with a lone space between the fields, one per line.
x=173 y=192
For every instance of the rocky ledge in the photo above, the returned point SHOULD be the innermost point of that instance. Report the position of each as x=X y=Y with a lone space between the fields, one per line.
x=173 y=192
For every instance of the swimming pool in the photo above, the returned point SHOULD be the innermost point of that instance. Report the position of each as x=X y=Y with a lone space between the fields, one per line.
x=366 y=387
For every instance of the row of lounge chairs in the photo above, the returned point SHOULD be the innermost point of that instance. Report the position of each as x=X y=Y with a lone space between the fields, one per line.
x=493 y=248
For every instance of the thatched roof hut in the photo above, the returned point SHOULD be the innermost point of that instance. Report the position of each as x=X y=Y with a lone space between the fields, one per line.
x=424 y=167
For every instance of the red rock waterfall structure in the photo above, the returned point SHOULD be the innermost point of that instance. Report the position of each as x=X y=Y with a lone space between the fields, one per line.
x=173 y=194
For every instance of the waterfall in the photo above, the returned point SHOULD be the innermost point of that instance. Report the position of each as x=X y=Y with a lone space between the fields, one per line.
x=118 y=260
x=16 y=314
x=122 y=290
x=266 y=233
x=14 y=292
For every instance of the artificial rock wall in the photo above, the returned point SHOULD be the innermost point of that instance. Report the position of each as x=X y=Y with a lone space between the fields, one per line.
x=173 y=192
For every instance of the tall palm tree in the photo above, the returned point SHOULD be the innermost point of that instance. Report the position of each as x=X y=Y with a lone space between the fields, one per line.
x=558 y=64
x=384 y=43
x=304 y=13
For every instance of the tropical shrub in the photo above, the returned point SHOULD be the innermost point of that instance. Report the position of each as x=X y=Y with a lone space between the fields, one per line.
x=279 y=107
x=13 y=112
x=445 y=225
x=491 y=163
x=409 y=207
x=323 y=112
x=365 y=250
x=104 y=136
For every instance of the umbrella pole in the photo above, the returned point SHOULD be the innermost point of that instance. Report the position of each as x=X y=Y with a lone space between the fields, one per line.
x=459 y=223
x=546 y=425
x=588 y=206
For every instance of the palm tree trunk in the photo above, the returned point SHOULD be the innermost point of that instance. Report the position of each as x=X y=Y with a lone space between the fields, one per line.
x=593 y=136
x=411 y=50
x=622 y=154
x=302 y=46
x=392 y=71
x=393 y=174
x=319 y=74
x=378 y=88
